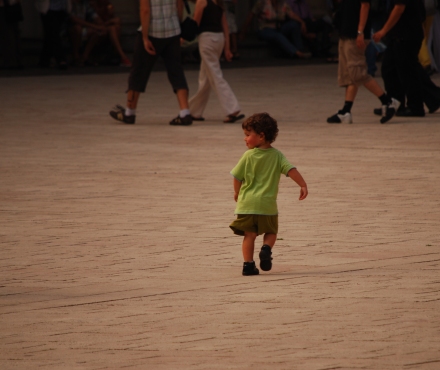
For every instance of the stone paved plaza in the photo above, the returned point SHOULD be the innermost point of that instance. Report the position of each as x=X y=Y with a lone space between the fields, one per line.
x=115 y=251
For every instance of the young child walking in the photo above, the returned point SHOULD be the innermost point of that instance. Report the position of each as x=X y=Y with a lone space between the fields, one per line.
x=256 y=180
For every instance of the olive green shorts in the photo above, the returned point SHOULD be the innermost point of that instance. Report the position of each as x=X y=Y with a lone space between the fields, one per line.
x=260 y=224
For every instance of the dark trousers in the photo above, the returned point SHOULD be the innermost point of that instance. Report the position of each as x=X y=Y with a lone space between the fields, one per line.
x=143 y=63
x=400 y=66
x=53 y=24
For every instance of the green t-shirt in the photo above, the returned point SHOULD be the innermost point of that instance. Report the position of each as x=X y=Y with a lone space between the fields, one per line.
x=259 y=171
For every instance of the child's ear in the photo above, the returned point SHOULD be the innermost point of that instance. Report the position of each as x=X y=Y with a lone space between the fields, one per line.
x=262 y=136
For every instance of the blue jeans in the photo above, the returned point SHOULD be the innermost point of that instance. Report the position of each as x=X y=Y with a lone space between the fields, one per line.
x=288 y=37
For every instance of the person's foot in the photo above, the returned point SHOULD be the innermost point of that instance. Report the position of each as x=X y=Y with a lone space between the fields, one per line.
x=388 y=111
x=379 y=111
x=340 y=117
x=179 y=121
x=265 y=258
x=232 y=118
x=250 y=269
x=408 y=112
x=118 y=113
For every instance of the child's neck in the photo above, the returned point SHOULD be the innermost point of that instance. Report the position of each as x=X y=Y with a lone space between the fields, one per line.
x=264 y=146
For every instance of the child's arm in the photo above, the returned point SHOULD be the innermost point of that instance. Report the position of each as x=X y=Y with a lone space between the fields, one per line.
x=237 y=186
x=296 y=176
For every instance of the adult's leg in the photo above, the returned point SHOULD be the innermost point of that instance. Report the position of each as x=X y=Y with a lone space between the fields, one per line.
x=211 y=47
x=390 y=76
x=169 y=49
x=198 y=102
x=143 y=63
x=407 y=65
x=132 y=99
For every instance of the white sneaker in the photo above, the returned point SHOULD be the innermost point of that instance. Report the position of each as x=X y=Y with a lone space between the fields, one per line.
x=340 y=118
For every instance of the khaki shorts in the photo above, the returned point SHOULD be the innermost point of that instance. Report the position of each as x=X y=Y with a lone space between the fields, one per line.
x=352 y=68
x=260 y=224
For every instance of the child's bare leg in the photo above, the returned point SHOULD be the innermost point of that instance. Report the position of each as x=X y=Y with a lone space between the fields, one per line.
x=270 y=239
x=248 y=246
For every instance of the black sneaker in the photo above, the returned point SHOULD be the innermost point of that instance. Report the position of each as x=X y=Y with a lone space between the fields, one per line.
x=265 y=258
x=118 y=113
x=250 y=269
x=388 y=111
x=179 y=121
x=380 y=111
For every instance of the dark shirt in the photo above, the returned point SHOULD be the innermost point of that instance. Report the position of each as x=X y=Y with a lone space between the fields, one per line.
x=349 y=19
x=409 y=26
x=212 y=18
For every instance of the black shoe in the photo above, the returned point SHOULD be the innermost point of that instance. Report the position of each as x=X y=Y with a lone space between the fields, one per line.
x=388 y=111
x=118 y=113
x=250 y=269
x=265 y=258
x=408 y=112
x=179 y=121
x=379 y=111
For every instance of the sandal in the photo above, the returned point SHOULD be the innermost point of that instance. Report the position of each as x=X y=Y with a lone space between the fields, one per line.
x=232 y=119
x=118 y=113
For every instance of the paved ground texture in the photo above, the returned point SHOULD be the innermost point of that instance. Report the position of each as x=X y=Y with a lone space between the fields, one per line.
x=115 y=250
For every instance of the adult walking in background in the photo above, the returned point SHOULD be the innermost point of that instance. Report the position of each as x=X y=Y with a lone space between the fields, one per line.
x=213 y=39
x=400 y=62
x=159 y=35
x=352 y=67
x=54 y=15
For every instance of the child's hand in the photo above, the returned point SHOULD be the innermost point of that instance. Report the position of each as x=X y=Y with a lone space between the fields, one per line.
x=235 y=196
x=303 y=193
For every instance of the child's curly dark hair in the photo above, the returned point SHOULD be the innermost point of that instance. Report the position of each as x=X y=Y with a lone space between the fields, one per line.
x=262 y=123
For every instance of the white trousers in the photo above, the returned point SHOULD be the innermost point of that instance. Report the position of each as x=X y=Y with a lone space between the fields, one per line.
x=211 y=77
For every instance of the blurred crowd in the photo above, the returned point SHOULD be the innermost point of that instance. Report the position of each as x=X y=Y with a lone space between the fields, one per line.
x=88 y=32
